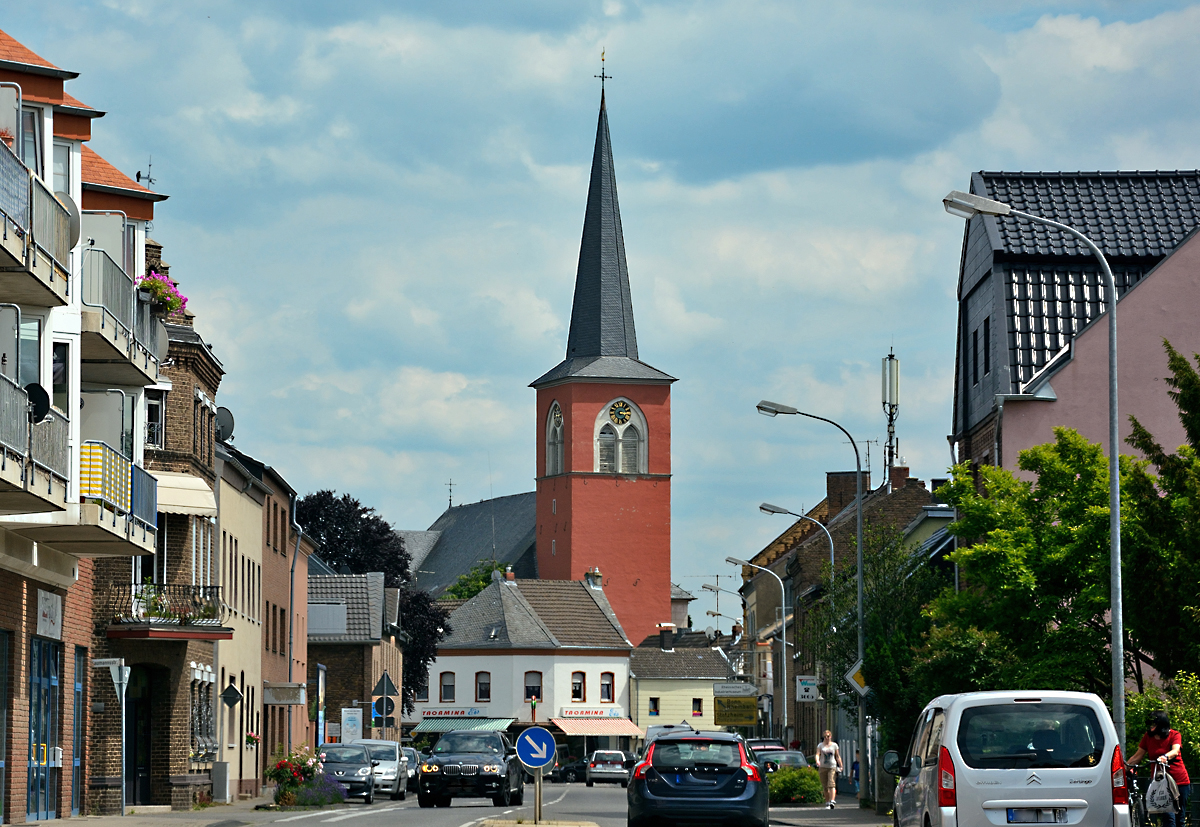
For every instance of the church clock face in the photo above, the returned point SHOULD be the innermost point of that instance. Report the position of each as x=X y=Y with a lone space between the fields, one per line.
x=620 y=412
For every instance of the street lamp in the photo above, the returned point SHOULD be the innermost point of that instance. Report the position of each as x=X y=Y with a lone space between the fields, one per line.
x=767 y=508
x=774 y=409
x=966 y=205
x=782 y=631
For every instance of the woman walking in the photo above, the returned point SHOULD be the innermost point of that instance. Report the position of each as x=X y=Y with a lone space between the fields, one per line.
x=1163 y=744
x=829 y=763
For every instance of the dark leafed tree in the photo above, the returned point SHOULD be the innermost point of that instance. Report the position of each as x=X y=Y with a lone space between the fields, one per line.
x=357 y=538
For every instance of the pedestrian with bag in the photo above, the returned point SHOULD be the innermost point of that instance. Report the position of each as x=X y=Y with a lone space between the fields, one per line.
x=1170 y=788
x=829 y=764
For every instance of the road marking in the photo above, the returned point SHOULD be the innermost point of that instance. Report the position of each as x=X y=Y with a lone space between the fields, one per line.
x=306 y=815
x=359 y=813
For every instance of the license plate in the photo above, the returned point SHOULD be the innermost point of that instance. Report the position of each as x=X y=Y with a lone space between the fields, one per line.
x=1030 y=815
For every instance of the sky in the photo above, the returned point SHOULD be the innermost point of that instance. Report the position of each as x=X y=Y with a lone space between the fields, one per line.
x=375 y=211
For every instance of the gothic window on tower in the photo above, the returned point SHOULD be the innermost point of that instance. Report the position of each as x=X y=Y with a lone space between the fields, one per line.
x=620 y=439
x=554 y=442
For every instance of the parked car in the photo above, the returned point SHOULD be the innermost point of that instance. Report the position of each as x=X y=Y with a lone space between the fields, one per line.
x=784 y=758
x=656 y=730
x=1011 y=758
x=760 y=744
x=571 y=771
x=352 y=767
x=701 y=776
x=606 y=765
x=469 y=764
x=391 y=774
x=412 y=764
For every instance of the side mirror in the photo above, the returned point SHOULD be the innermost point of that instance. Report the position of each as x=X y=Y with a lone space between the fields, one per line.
x=891 y=763
x=510 y=750
x=374 y=763
x=427 y=752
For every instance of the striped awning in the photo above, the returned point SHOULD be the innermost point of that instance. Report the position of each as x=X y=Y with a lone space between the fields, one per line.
x=597 y=726
x=449 y=724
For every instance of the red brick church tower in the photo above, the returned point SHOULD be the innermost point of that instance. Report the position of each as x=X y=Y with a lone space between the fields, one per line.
x=604 y=432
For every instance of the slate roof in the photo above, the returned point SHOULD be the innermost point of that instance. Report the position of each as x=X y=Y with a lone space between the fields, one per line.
x=418 y=544
x=649 y=661
x=1128 y=214
x=363 y=595
x=602 y=342
x=678 y=593
x=535 y=614
x=465 y=538
x=318 y=566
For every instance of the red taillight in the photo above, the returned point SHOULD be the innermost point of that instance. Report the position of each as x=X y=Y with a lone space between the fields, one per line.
x=751 y=770
x=640 y=770
x=592 y=764
x=947 y=797
x=1119 y=789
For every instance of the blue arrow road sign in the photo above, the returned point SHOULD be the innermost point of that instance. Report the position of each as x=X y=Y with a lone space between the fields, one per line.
x=535 y=747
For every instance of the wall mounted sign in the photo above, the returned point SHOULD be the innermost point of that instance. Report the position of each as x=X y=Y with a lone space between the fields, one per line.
x=49 y=622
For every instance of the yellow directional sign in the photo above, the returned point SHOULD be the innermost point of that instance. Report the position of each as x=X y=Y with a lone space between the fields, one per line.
x=735 y=711
x=856 y=679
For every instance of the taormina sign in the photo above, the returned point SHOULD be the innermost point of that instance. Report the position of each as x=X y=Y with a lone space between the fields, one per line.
x=454 y=712
x=593 y=712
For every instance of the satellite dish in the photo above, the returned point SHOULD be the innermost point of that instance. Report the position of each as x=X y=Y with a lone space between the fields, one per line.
x=164 y=341
x=711 y=634
x=73 y=212
x=224 y=424
x=39 y=399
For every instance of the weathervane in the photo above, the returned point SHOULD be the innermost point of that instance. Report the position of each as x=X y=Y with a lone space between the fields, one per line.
x=603 y=75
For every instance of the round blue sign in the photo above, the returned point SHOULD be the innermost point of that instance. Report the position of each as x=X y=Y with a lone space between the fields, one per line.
x=535 y=747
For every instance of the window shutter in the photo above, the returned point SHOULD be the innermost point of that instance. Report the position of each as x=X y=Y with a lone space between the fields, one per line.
x=629 y=450
x=608 y=451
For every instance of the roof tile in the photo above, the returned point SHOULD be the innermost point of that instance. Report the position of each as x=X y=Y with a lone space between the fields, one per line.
x=13 y=50
x=96 y=170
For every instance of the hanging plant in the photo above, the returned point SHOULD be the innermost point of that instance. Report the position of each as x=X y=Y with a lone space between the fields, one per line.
x=163 y=291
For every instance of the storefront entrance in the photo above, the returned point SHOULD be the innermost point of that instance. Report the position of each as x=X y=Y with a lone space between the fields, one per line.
x=137 y=737
x=45 y=755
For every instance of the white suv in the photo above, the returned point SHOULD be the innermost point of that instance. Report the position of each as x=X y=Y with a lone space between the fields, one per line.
x=1011 y=758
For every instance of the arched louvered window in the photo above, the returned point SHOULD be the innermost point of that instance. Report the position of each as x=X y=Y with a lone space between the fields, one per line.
x=607 y=449
x=554 y=442
x=621 y=439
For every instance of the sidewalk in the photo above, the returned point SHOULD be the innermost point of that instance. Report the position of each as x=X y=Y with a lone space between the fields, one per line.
x=817 y=816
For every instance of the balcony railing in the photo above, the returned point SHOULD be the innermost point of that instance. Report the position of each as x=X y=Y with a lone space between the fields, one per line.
x=106 y=285
x=51 y=224
x=14 y=417
x=181 y=605
x=51 y=445
x=14 y=189
x=145 y=497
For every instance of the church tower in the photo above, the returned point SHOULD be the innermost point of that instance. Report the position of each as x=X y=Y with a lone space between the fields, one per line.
x=604 y=431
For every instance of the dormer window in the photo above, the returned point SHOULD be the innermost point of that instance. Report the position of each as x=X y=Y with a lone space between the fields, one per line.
x=621 y=439
x=554 y=442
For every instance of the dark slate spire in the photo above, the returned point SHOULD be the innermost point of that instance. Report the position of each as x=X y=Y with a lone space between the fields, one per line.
x=602 y=343
x=602 y=315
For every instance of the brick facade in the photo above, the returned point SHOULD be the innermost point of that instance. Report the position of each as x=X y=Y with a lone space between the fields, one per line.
x=351 y=672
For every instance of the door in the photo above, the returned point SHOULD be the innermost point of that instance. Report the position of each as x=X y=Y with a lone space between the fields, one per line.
x=77 y=732
x=45 y=754
x=908 y=794
x=137 y=737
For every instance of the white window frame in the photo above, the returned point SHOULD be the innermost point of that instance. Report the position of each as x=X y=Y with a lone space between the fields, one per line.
x=638 y=420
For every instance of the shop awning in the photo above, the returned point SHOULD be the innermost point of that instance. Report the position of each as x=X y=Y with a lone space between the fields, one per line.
x=597 y=726
x=180 y=493
x=449 y=724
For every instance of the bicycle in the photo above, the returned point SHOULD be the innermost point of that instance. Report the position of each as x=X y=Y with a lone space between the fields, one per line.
x=1138 y=817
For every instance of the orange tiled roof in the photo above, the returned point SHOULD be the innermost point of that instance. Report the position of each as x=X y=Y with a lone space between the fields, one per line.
x=96 y=170
x=71 y=101
x=16 y=52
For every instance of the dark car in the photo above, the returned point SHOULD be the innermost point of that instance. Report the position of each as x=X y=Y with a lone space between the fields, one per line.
x=573 y=771
x=765 y=744
x=783 y=758
x=698 y=776
x=351 y=766
x=468 y=764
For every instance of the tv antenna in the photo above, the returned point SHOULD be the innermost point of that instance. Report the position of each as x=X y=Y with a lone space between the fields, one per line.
x=149 y=181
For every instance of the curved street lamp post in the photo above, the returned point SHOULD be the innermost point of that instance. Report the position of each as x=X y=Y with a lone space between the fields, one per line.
x=767 y=508
x=966 y=205
x=782 y=634
x=774 y=409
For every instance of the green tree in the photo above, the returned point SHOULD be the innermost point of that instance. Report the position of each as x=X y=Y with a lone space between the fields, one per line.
x=476 y=580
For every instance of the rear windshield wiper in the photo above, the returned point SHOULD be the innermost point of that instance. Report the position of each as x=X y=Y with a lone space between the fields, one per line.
x=1029 y=755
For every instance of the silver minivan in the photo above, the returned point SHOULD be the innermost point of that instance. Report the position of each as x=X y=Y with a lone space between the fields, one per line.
x=1011 y=758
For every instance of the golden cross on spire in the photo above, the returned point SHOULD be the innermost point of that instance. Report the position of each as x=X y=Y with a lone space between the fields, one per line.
x=603 y=75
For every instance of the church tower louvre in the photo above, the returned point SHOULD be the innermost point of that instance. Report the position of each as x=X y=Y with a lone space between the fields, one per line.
x=604 y=431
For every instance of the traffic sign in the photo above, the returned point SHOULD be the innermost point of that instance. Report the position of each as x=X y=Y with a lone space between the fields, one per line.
x=380 y=723
x=734 y=689
x=855 y=676
x=383 y=706
x=535 y=747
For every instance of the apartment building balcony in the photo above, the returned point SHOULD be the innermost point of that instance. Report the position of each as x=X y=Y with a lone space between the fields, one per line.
x=149 y=611
x=34 y=461
x=35 y=240
x=117 y=514
x=121 y=340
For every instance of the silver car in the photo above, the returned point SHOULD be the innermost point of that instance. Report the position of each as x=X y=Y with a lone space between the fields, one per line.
x=391 y=774
x=414 y=763
x=1012 y=758
x=607 y=765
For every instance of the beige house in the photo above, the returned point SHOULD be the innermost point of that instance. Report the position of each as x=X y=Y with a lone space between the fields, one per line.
x=672 y=675
x=240 y=498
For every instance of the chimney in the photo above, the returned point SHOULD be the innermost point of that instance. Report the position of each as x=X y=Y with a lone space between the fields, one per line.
x=508 y=573
x=736 y=631
x=840 y=488
x=899 y=477
x=593 y=578
x=666 y=637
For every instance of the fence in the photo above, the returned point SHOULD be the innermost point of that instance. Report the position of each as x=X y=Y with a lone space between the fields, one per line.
x=14 y=188
x=51 y=224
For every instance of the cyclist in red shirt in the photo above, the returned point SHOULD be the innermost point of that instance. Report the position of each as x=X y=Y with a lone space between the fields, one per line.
x=1164 y=744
